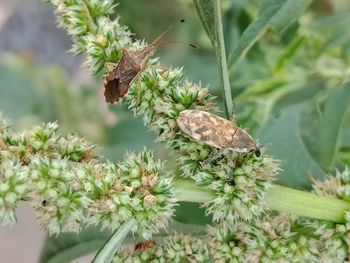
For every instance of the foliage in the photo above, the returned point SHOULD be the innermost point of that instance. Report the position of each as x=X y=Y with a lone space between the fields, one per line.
x=288 y=72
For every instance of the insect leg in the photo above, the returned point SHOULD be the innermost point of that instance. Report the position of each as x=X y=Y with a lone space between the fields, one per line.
x=139 y=90
x=212 y=156
x=109 y=66
x=149 y=75
x=231 y=165
x=233 y=114
x=158 y=67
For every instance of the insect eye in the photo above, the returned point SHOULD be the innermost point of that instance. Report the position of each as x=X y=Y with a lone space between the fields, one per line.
x=257 y=152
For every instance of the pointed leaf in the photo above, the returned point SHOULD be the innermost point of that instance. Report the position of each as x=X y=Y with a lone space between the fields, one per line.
x=108 y=250
x=255 y=30
x=209 y=12
x=288 y=14
x=282 y=136
x=69 y=246
x=274 y=14
x=321 y=123
x=206 y=10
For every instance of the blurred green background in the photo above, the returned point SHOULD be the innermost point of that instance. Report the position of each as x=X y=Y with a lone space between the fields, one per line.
x=291 y=90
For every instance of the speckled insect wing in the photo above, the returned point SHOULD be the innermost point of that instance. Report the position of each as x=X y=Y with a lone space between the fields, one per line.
x=118 y=81
x=208 y=128
x=215 y=131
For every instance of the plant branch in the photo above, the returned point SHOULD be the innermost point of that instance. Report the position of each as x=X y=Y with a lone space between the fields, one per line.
x=108 y=250
x=224 y=75
x=278 y=198
x=284 y=199
x=209 y=12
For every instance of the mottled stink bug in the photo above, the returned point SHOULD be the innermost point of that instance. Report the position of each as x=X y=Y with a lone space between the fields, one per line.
x=215 y=131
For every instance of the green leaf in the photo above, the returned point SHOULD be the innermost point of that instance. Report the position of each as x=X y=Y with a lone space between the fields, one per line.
x=108 y=250
x=305 y=92
x=331 y=29
x=289 y=53
x=345 y=155
x=290 y=33
x=289 y=14
x=345 y=140
x=69 y=246
x=255 y=30
x=206 y=10
x=209 y=11
x=321 y=123
x=274 y=14
x=271 y=95
x=282 y=136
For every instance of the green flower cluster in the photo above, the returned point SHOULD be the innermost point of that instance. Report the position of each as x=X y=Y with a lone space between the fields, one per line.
x=334 y=236
x=240 y=183
x=13 y=177
x=13 y=188
x=164 y=96
x=271 y=239
x=159 y=95
x=140 y=188
x=4 y=124
x=55 y=195
x=239 y=180
x=91 y=30
x=178 y=249
x=68 y=186
x=44 y=140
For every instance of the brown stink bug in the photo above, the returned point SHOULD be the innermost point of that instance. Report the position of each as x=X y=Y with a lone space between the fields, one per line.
x=118 y=81
x=215 y=131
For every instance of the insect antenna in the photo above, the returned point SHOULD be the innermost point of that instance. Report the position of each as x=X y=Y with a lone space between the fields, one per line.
x=192 y=45
x=158 y=41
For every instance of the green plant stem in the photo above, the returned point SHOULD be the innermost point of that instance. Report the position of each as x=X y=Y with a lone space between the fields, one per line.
x=278 y=198
x=186 y=190
x=284 y=199
x=108 y=250
x=223 y=63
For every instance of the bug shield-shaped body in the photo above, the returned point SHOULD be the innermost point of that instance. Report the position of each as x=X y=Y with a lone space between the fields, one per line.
x=118 y=81
x=215 y=131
